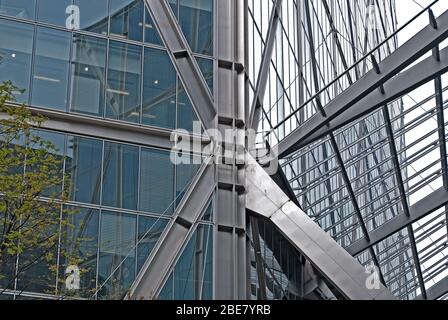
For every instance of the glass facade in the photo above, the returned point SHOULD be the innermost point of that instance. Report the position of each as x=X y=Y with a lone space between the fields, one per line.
x=113 y=67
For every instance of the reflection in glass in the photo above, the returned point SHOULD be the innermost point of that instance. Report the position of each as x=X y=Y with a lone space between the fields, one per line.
x=16 y=42
x=79 y=244
x=185 y=173
x=24 y=9
x=186 y=116
x=88 y=75
x=116 y=270
x=151 y=32
x=94 y=17
x=123 y=92
x=51 y=69
x=193 y=271
x=83 y=165
x=54 y=12
x=206 y=66
x=126 y=19
x=149 y=232
x=156 y=181
x=159 y=93
x=57 y=141
x=120 y=180
x=196 y=20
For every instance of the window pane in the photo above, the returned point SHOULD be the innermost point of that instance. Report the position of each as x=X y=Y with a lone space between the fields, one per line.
x=185 y=171
x=196 y=20
x=88 y=75
x=123 y=92
x=84 y=167
x=120 y=180
x=51 y=11
x=18 y=8
x=51 y=69
x=151 y=32
x=80 y=243
x=186 y=116
x=16 y=43
x=206 y=66
x=149 y=232
x=159 y=93
x=193 y=271
x=127 y=19
x=57 y=141
x=156 y=181
x=117 y=254
x=94 y=17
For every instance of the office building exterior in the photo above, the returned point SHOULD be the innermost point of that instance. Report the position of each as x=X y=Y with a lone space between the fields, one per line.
x=122 y=82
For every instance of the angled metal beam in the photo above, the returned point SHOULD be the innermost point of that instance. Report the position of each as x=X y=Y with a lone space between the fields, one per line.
x=442 y=134
x=427 y=205
x=436 y=291
x=184 y=61
x=343 y=271
x=395 y=88
x=405 y=55
x=156 y=269
x=258 y=258
x=262 y=79
x=404 y=201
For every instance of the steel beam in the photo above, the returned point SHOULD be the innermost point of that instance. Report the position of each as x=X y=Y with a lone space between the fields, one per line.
x=405 y=55
x=343 y=271
x=110 y=130
x=263 y=75
x=427 y=205
x=184 y=61
x=156 y=269
x=436 y=291
x=395 y=88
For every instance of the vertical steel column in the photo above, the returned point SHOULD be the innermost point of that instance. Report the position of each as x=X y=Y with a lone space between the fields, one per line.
x=230 y=252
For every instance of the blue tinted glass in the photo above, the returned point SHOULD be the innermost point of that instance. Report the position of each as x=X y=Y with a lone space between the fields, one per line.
x=37 y=263
x=120 y=180
x=123 y=92
x=196 y=20
x=93 y=17
x=57 y=150
x=16 y=42
x=151 y=32
x=167 y=291
x=193 y=271
x=206 y=66
x=185 y=171
x=79 y=243
x=88 y=75
x=116 y=270
x=126 y=19
x=83 y=165
x=174 y=6
x=156 y=181
x=18 y=8
x=186 y=116
x=149 y=232
x=159 y=91
x=51 y=65
x=53 y=12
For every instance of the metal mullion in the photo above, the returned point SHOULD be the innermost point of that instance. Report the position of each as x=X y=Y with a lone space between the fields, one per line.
x=421 y=226
x=414 y=123
x=437 y=271
x=442 y=135
x=383 y=208
x=379 y=197
x=418 y=155
x=420 y=139
x=437 y=250
x=378 y=180
x=425 y=181
x=430 y=232
x=320 y=180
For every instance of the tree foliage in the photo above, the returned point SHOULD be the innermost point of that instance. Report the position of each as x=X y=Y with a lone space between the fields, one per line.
x=32 y=191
